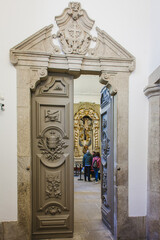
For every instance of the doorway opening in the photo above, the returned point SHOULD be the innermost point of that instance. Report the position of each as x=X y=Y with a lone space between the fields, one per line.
x=93 y=130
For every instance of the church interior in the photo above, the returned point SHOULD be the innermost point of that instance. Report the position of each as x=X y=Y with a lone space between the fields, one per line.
x=76 y=78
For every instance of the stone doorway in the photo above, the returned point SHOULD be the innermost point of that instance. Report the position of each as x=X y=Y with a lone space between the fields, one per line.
x=35 y=57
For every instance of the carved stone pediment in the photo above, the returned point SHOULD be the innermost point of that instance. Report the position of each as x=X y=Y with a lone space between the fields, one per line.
x=107 y=47
x=41 y=41
x=74 y=52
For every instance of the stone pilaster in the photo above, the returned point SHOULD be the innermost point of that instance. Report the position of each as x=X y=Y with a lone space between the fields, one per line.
x=152 y=91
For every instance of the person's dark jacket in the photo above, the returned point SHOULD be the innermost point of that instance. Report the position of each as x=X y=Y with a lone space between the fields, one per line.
x=87 y=159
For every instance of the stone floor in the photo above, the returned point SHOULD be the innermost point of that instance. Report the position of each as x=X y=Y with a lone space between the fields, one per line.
x=87 y=216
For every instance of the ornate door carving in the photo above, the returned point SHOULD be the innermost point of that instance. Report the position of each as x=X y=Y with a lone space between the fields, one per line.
x=107 y=157
x=52 y=158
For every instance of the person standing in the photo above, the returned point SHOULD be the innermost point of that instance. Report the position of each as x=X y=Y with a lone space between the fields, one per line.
x=96 y=165
x=87 y=162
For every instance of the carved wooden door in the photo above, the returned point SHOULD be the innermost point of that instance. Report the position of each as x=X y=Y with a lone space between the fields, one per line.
x=52 y=161
x=107 y=158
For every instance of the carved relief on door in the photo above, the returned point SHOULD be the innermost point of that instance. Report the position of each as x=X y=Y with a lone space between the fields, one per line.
x=52 y=157
x=107 y=158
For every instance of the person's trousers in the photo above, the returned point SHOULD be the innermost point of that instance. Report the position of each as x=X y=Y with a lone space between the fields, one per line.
x=96 y=173
x=87 y=172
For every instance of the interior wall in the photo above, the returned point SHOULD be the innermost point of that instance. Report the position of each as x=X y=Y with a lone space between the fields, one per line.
x=154 y=60
x=128 y=23
x=87 y=88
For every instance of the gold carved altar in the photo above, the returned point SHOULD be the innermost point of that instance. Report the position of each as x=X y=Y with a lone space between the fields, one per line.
x=86 y=128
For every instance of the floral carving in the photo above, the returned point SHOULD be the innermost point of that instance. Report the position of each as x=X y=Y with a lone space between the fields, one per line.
x=52 y=145
x=104 y=184
x=104 y=187
x=53 y=210
x=53 y=186
x=105 y=148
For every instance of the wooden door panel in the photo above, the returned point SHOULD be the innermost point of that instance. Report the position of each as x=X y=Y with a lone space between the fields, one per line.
x=56 y=114
x=107 y=158
x=52 y=162
x=46 y=177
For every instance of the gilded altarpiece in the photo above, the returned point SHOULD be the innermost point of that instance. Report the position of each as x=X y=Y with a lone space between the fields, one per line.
x=86 y=128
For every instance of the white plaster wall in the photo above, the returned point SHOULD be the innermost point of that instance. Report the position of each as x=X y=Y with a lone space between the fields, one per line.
x=87 y=88
x=154 y=61
x=128 y=23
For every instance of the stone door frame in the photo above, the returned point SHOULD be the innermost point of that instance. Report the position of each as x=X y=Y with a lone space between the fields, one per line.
x=152 y=91
x=33 y=59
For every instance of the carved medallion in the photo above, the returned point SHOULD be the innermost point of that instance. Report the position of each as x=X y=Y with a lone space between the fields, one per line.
x=52 y=145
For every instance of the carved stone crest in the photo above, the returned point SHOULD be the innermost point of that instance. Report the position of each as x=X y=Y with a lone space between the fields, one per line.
x=74 y=25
